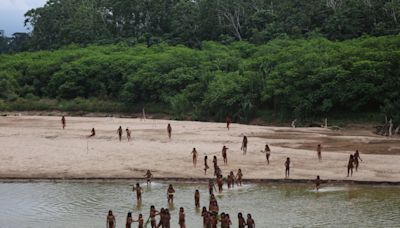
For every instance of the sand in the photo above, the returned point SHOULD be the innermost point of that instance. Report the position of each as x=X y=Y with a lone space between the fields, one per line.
x=37 y=147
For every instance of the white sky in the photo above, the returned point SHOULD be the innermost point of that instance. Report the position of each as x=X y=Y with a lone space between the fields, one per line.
x=12 y=14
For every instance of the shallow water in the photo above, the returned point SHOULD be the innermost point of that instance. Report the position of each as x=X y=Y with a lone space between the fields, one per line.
x=85 y=204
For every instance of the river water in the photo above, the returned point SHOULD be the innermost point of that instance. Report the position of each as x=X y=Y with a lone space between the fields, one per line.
x=85 y=204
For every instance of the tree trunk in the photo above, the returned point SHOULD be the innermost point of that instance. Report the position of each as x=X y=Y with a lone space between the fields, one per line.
x=294 y=123
x=390 y=128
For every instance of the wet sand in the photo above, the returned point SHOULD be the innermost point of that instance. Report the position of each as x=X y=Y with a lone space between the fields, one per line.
x=37 y=147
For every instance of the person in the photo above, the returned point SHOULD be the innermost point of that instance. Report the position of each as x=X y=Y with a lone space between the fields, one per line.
x=228 y=122
x=356 y=158
x=231 y=180
x=161 y=223
x=228 y=221
x=197 y=198
x=128 y=134
x=211 y=187
x=181 y=221
x=167 y=219
x=148 y=176
x=205 y=165
x=317 y=183
x=239 y=176
x=169 y=130
x=63 y=122
x=220 y=183
x=206 y=218
x=153 y=214
x=170 y=193
x=138 y=191
x=223 y=220
x=129 y=220
x=194 y=157
x=267 y=152
x=224 y=155
x=287 y=167
x=350 y=165
x=110 y=220
x=250 y=222
x=93 y=133
x=213 y=220
x=119 y=131
x=319 y=152
x=215 y=162
x=244 y=145
x=140 y=221
x=241 y=221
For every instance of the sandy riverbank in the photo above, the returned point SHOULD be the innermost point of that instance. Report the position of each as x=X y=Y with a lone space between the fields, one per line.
x=37 y=147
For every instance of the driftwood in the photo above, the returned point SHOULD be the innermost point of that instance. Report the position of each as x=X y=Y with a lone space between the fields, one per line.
x=387 y=129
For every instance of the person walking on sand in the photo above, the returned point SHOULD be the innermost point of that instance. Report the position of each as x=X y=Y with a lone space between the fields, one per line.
x=129 y=220
x=138 y=191
x=356 y=159
x=205 y=165
x=169 y=130
x=317 y=183
x=93 y=133
x=170 y=194
x=319 y=150
x=224 y=155
x=119 y=131
x=181 y=221
x=287 y=167
x=228 y=122
x=128 y=134
x=148 y=176
x=63 y=122
x=267 y=151
x=350 y=166
x=194 y=157
x=244 y=145
x=111 y=220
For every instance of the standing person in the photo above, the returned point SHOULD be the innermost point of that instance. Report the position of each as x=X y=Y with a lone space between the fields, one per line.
x=250 y=222
x=241 y=221
x=231 y=180
x=228 y=221
x=148 y=176
x=140 y=221
x=317 y=183
x=215 y=162
x=119 y=131
x=239 y=176
x=287 y=167
x=194 y=157
x=153 y=214
x=162 y=219
x=197 y=198
x=220 y=183
x=350 y=165
x=167 y=218
x=223 y=220
x=92 y=133
x=170 y=193
x=244 y=145
x=128 y=134
x=228 y=122
x=206 y=218
x=169 y=130
x=211 y=187
x=224 y=155
x=63 y=122
x=319 y=149
x=138 y=191
x=182 y=218
x=205 y=165
x=129 y=220
x=110 y=220
x=267 y=151
x=356 y=157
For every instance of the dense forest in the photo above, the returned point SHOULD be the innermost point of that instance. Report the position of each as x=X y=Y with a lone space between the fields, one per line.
x=206 y=59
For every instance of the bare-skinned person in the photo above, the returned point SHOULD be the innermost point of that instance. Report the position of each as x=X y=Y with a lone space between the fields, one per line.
x=250 y=222
x=213 y=206
x=244 y=145
x=241 y=220
x=231 y=180
x=214 y=220
x=194 y=157
x=111 y=223
x=170 y=194
x=287 y=167
x=215 y=163
x=92 y=133
x=63 y=122
x=129 y=220
x=319 y=151
x=267 y=151
x=162 y=222
x=148 y=176
x=167 y=218
x=356 y=159
x=140 y=220
x=197 y=198
x=224 y=154
x=206 y=218
x=138 y=191
x=153 y=214
x=224 y=222
x=317 y=183
x=220 y=183
x=229 y=221
x=239 y=177
x=211 y=187
x=169 y=130
x=119 y=131
x=205 y=165
x=128 y=134
x=228 y=122
x=181 y=220
x=350 y=166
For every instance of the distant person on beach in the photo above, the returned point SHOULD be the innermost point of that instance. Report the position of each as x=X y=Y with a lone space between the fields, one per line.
x=181 y=221
x=167 y=218
x=63 y=122
x=231 y=180
x=250 y=222
x=197 y=198
x=224 y=155
x=138 y=191
x=287 y=167
x=241 y=220
x=215 y=163
x=317 y=183
x=140 y=221
x=170 y=194
x=213 y=206
x=128 y=134
x=148 y=176
x=129 y=220
x=267 y=151
x=110 y=220
x=319 y=150
x=153 y=214
x=220 y=183
x=350 y=166
x=356 y=159
x=239 y=177
x=162 y=222
x=194 y=157
x=119 y=131
x=213 y=220
x=244 y=145
x=205 y=165
x=93 y=133
x=228 y=122
x=169 y=130
x=211 y=187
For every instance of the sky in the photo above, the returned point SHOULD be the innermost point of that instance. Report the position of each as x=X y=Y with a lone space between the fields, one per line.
x=12 y=14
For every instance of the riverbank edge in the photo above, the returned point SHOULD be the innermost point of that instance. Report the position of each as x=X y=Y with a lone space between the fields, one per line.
x=194 y=180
